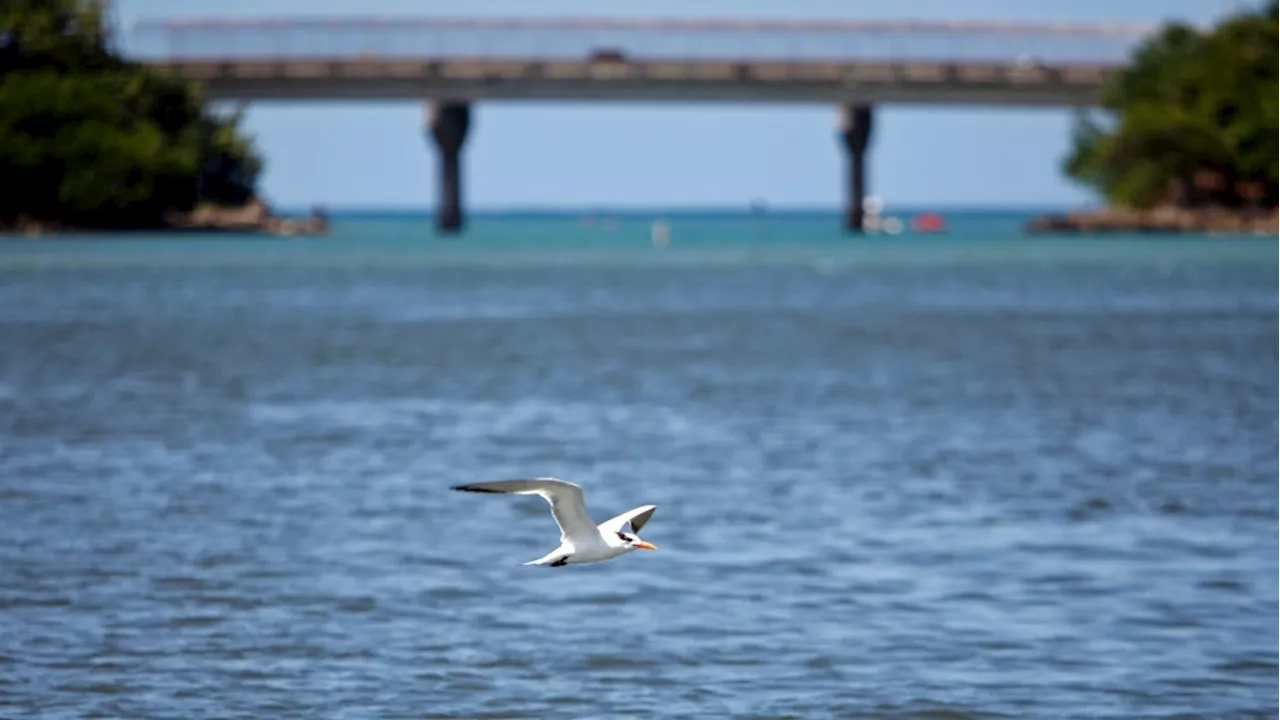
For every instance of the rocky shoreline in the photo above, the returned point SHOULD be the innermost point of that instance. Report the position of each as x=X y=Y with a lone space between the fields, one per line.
x=1158 y=220
x=251 y=218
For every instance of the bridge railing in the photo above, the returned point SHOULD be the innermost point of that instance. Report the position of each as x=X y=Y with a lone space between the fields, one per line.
x=404 y=38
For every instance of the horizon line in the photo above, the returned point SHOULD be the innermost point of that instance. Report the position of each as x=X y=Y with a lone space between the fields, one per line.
x=427 y=210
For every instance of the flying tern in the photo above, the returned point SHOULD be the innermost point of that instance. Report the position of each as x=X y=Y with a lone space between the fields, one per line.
x=581 y=539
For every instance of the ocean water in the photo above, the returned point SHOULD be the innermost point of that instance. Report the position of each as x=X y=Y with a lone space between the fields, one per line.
x=973 y=475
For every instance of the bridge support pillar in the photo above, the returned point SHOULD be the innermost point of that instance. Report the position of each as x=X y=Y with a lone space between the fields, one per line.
x=855 y=133
x=447 y=123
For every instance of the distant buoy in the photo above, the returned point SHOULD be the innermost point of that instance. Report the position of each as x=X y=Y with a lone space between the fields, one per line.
x=892 y=225
x=660 y=233
x=927 y=223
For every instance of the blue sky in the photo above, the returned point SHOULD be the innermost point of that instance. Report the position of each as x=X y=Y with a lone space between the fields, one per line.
x=520 y=155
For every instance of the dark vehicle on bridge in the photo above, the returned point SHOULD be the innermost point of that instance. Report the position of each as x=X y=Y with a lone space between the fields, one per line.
x=607 y=55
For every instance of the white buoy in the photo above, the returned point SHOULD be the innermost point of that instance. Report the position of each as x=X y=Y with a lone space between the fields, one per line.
x=660 y=233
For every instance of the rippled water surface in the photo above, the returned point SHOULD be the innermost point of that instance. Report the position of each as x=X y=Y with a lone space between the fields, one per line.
x=911 y=483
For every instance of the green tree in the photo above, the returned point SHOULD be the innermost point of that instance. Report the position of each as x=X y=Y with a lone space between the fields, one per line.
x=231 y=168
x=1192 y=118
x=89 y=139
x=60 y=34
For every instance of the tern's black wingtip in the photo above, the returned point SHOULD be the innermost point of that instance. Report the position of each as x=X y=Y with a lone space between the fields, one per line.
x=472 y=488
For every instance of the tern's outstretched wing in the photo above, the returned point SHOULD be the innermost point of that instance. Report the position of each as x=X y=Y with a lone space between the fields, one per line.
x=637 y=517
x=567 y=505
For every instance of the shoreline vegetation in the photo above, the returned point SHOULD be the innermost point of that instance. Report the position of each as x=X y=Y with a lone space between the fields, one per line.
x=90 y=141
x=1186 y=136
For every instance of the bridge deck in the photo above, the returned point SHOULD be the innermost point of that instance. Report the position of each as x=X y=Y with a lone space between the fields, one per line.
x=714 y=60
x=489 y=79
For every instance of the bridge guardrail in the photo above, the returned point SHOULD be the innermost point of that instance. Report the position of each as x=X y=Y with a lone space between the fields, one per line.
x=725 y=40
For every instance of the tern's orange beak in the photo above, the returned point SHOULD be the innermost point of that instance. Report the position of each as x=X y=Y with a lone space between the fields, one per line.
x=644 y=545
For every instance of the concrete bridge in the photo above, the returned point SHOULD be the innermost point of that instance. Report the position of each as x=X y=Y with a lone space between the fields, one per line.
x=453 y=63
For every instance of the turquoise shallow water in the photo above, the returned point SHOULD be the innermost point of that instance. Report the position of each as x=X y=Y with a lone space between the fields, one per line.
x=965 y=476
x=627 y=239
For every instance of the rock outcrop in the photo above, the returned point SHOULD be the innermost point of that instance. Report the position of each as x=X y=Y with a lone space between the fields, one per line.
x=1164 y=220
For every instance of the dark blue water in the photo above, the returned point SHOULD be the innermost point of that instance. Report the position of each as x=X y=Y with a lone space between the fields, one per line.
x=895 y=479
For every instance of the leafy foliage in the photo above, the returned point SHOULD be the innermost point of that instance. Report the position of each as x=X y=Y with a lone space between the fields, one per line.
x=88 y=139
x=1192 y=119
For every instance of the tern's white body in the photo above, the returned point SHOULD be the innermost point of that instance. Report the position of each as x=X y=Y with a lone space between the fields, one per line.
x=581 y=539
